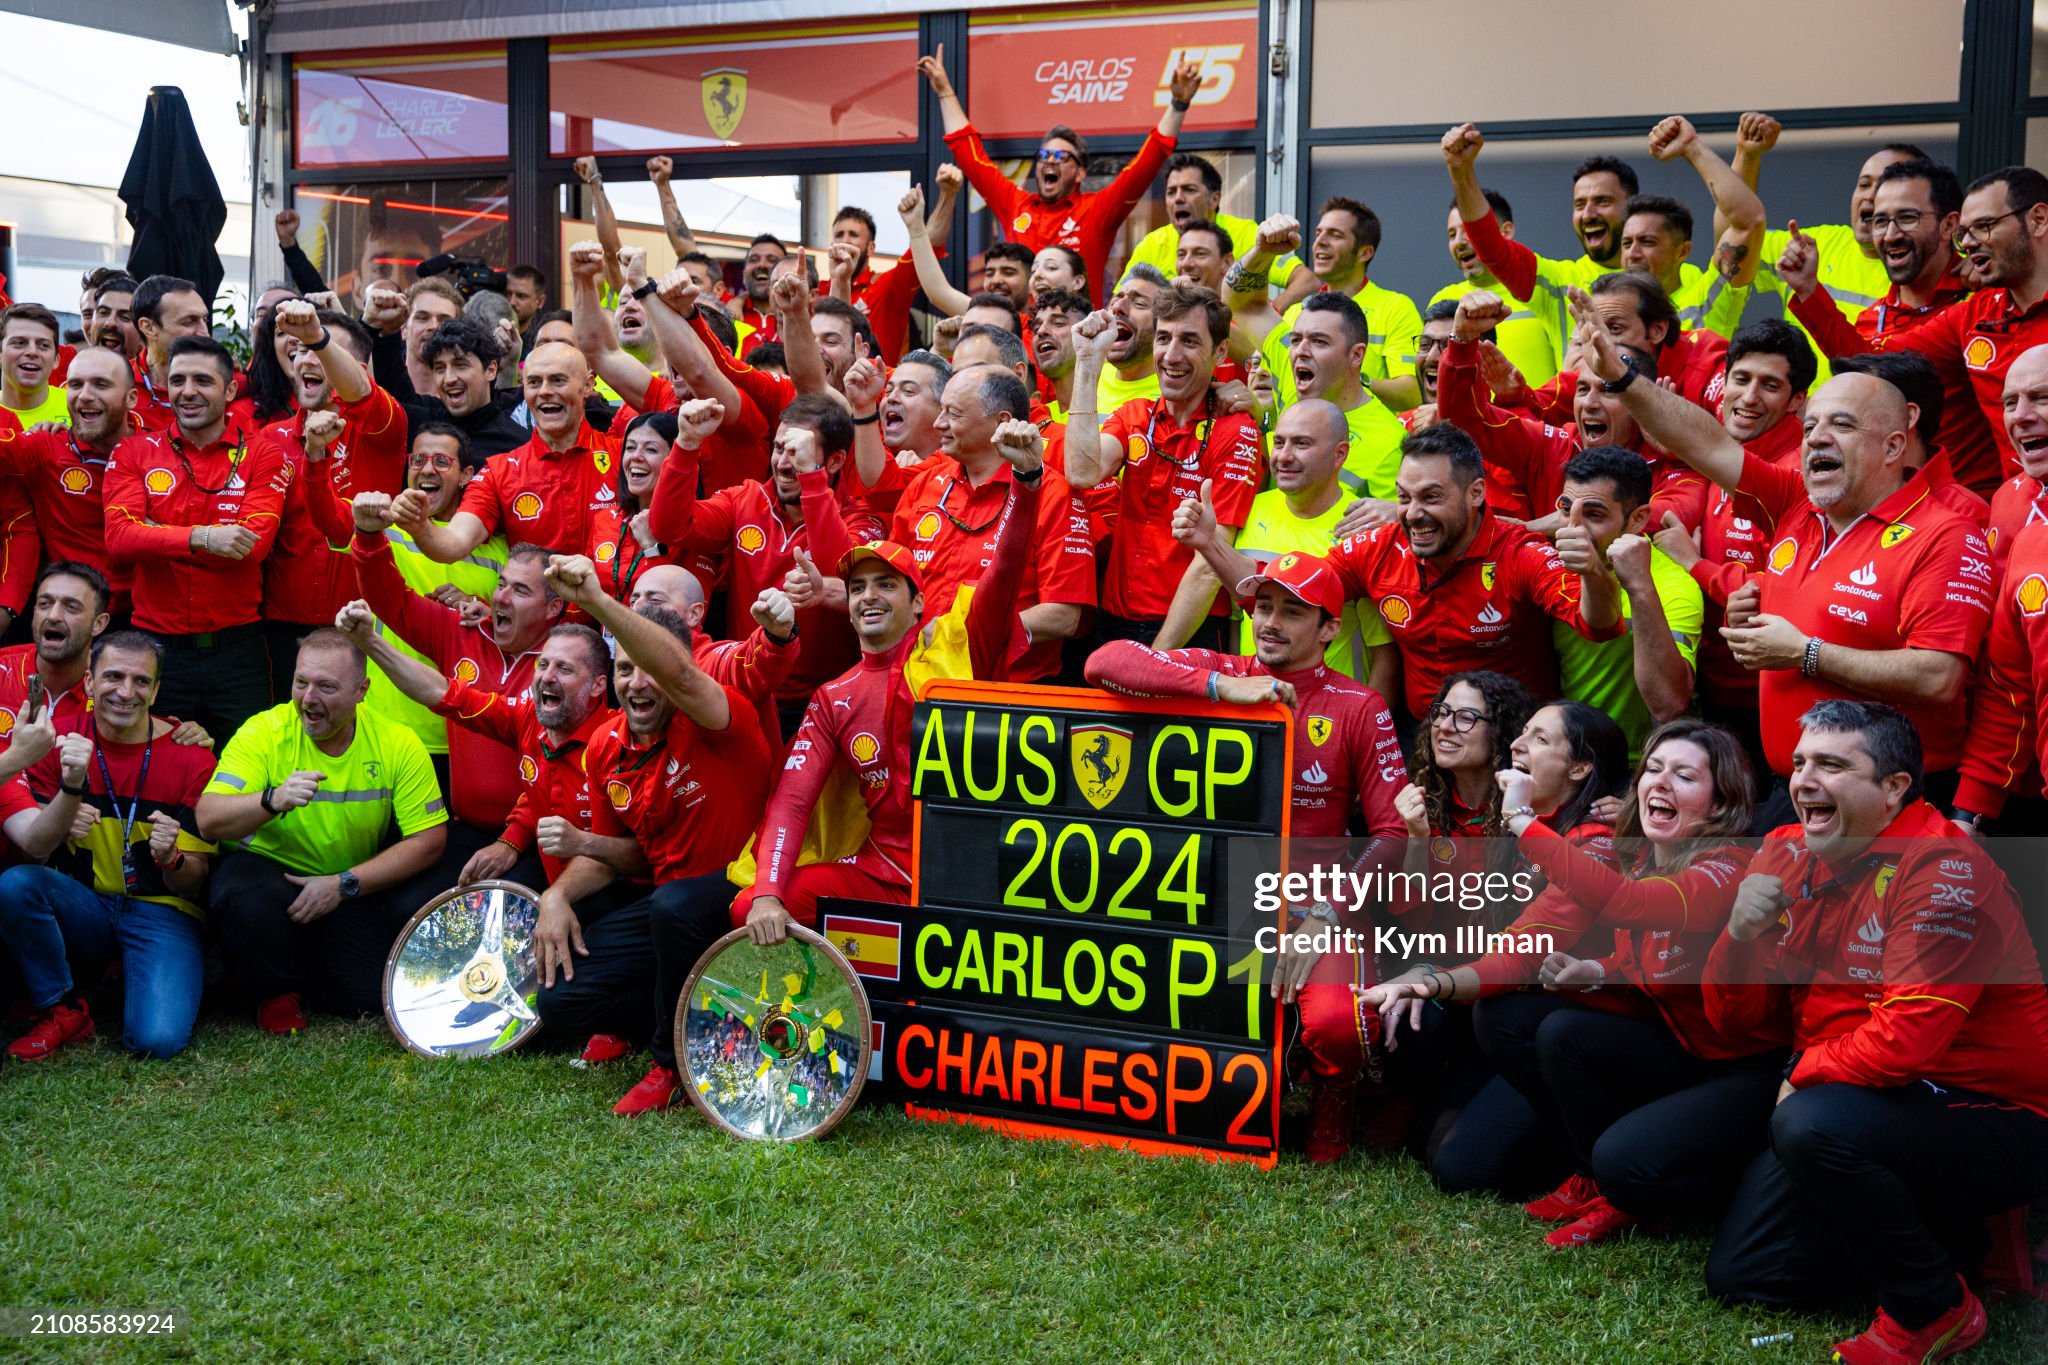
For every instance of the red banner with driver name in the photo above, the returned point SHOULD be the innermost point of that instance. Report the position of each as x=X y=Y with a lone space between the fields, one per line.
x=1106 y=71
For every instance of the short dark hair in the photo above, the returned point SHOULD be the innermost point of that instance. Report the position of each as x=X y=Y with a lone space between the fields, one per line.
x=1912 y=375
x=1665 y=207
x=1943 y=188
x=1889 y=738
x=1182 y=299
x=2024 y=186
x=700 y=258
x=663 y=420
x=135 y=642
x=71 y=568
x=1223 y=242
x=464 y=451
x=721 y=324
x=772 y=240
x=1008 y=344
x=463 y=336
x=598 y=657
x=823 y=414
x=1066 y=134
x=540 y=554
x=933 y=361
x=547 y=315
x=1653 y=304
x=1443 y=310
x=1625 y=469
x=859 y=215
x=1212 y=179
x=769 y=355
x=854 y=318
x=1447 y=442
x=1067 y=301
x=149 y=295
x=1003 y=303
x=32 y=313
x=1365 y=224
x=1349 y=315
x=532 y=274
x=1498 y=202
x=353 y=334
x=668 y=618
x=1910 y=150
x=1000 y=390
x=222 y=358
x=120 y=282
x=1775 y=336
x=1010 y=251
x=1611 y=165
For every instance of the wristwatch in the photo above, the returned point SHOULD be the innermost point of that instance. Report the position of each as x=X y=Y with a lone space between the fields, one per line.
x=1628 y=377
x=652 y=286
x=350 y=886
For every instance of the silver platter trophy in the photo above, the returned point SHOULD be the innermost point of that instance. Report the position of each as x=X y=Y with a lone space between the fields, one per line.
x=461 y=980
x=773 y=1042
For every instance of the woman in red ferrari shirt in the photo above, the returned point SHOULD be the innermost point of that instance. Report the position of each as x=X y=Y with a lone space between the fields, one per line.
x=621 y=543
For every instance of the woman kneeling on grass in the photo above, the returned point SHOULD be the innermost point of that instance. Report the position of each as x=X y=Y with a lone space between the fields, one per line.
x=1658 y=1110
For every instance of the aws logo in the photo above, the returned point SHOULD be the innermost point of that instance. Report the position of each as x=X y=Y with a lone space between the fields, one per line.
x=77 y=480
x=526 y=506
x=159 y=481
x=751 y=539
x=465 y=670
x=619 y=794
x=1396 y=611
x=2032 y=595
x=928 y=526
x=865 y=748
x=1783 y=553
x=1980 y=354
x=529 y=771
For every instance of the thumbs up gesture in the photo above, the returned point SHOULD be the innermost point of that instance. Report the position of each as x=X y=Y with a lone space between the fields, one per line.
x=1799 y=266
x=1194 y=521
x=804 y=585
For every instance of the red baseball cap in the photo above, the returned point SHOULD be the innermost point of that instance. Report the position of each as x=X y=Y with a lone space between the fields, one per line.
x=1308 y=577
x=897 y=557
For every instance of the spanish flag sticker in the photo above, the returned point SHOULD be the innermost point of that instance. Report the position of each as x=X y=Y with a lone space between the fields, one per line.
x=873 y=946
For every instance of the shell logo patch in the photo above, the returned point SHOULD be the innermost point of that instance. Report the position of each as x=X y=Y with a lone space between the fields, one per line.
x=6 y=722
x=1893 y=534
x=1021 y=223
x=529 y=771
x=159 y=481
x=76 y=480
x=1486 y=576
x=1442 y=849
x=465 y=670
x=865 y=747
x=928 y=526
x=751 y=539
x=1396 y=611
x=1980 y=353
x=2032 y=595
x=526 y=506
x=607 y=552
x=619 y=794
x=1783 y=553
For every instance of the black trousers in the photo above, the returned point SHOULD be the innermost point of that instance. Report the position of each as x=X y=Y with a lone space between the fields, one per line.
x=1508 y=1140
x=335 y=964
x=1881 y=1189
x=609 y=991
x=219 y=680
x=1659 y=1130
x=1441 y=1069
x=464 y=842
x=689 y=915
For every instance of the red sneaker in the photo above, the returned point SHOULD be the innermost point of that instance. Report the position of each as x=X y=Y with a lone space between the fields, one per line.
x=1888 y=1343
x=658 y=1089
x=53 y=1028
x=282 y=1015
x=604 y=1047
x=1566 y=1202
x=1333 y=1111
x=1597 y=1222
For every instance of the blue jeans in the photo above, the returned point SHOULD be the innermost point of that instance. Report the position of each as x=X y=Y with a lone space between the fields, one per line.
x=49 y=920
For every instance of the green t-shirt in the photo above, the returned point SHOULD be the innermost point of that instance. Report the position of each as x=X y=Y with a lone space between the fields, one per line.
x=382 y=777
x=1521 y=338
x=1602 y=673
x=55 y=407
x=1271 y=529
x=1853 y=279
x=1160 y=249
x=477 y=574
x=1114 y=390
x=1375 y=455
x=1393 y=326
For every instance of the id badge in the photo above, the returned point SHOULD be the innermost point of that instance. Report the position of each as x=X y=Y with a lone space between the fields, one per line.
x=129 y=878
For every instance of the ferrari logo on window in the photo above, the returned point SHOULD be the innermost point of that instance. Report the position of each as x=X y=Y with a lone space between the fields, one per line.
x=1101 y=755
x=725 y=99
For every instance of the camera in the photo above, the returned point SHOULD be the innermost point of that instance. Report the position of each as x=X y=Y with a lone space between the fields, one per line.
x=467 y=273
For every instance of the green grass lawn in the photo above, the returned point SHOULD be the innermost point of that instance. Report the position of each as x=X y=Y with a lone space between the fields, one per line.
x=333 y=1198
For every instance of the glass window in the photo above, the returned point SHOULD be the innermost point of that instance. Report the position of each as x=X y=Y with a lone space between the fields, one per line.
x=1107 y=73
x=1808 y=177
x=762 y=86
x=358 y=233
x=365 y=108
x=2038 y=83
x=1375 y=62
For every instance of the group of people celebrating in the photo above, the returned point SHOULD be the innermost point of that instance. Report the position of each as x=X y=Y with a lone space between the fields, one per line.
x=1586 y=570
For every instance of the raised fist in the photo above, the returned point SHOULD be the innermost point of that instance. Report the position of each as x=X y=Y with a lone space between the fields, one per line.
x=633 y=265
x=586 y=170
x=774 y=613
x=383 y=308
x=1279 y=234
x=1479 y=312
x=659 y=169
x=678 y=289
x=1094 y=335
x=586 y=260
x=696 y=420
x=373 y=512
x=411 y=507
x=296 y=319
x=1757 y=133
x=1672 y=138
x=573 y=577
x=356 y=620
x=949 y=177
x=323 y=429
x=1460 y=146
x=287 y=222
x=1020 y=445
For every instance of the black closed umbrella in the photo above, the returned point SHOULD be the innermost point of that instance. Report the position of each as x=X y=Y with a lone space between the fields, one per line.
x=173 y=201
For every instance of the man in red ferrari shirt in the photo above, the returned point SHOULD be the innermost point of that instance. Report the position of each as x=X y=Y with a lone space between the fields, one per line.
x=194 y=510
x=2002 y=234
x=1347 y=765
x=1872 y=589
x=683 y=770
x=885 y=299
x=497 y=655
x=1459 y=588
x=166 y=309
x=1054 y=211
x=61 y=472
x=546 y=492
x=1164 y=451
x=70 y=612
x=1916 y=1102
x=2022 y=500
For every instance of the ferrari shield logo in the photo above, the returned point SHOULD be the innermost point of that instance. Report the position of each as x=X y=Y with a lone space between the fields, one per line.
x=1101 y=756
x=1884 y=879
x=1318 y=729
x=1486 y=577
x=1893 y=534
x=724 y=92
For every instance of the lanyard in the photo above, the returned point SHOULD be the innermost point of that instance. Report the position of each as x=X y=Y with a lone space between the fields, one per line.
x=1202 y=429
x=127 y=817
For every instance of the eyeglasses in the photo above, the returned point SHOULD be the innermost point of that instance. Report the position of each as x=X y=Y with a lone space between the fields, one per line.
x=1056 y=155
x=1979 y=231
x=1463 y=719
x=431 y=461
x=1904 y=222
x=1426 y=344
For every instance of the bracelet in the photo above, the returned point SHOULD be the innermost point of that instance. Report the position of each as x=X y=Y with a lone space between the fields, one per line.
x=1212 y=684
x=69 y=790
x=321 y=345
x=1809 y=666
x=1180 y=106
x=265 y=798
x=868 y=420
x=177 y=861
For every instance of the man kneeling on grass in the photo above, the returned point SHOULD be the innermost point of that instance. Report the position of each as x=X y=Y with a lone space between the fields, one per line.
x=307 y=793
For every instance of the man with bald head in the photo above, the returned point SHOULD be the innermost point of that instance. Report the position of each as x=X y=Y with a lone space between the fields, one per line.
x=1872 y=590
x=547 y=491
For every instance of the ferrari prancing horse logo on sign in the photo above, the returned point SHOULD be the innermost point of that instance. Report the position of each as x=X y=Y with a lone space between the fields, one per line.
x=1101 y=756
x=724 y=92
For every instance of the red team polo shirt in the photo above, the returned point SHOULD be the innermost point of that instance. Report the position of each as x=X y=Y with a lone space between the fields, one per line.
x=1735 y=535
x=1909 y=574
x=551 y=780
x=17 y=662
x=61 y=480
x=1488 y=608
x=2016 y=505
x=546 y=497
x=692 y=800
x=305 y=580
x=1164 y=465
x=736 y=452
x=157 y=489
x=2006 y=720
